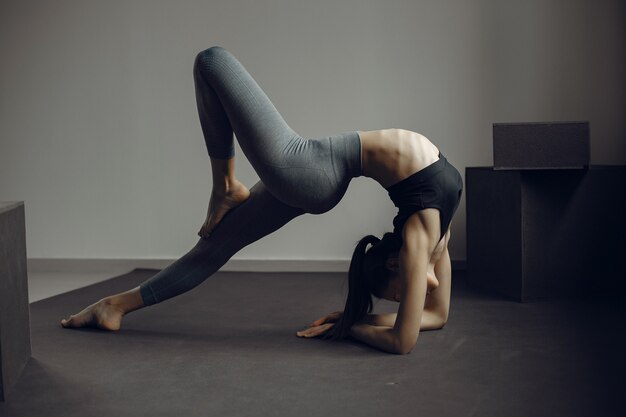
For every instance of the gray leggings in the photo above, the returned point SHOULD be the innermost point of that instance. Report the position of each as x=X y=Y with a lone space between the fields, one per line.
x=297 y=175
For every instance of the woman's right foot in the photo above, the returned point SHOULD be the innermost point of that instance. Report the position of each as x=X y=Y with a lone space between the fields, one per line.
x=220 y=203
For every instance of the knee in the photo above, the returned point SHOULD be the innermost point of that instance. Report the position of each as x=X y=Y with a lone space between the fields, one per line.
x=206 y=57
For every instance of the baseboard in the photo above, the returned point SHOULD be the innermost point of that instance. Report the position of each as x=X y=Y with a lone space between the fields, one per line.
x=245 y=265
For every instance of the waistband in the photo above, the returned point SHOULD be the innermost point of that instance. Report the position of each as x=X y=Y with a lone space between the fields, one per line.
x=421 y=175
x=346 y=149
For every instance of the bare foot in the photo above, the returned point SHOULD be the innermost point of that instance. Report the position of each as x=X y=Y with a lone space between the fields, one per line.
x=220 y=203
x=104 y=314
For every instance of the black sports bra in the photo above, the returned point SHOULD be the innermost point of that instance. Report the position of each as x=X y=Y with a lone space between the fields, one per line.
x=439 y=185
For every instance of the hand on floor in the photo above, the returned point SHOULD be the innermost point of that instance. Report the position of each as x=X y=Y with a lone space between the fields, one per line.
x=321 y=325
x=314 y=331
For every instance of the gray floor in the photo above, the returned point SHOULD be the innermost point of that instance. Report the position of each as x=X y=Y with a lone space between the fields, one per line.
x=228 y=348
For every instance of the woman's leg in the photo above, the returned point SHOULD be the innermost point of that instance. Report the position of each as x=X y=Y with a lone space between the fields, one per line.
x=298 y=176
x=215 y=69
x=311 y=174
x=229 y=100
x=260 y=215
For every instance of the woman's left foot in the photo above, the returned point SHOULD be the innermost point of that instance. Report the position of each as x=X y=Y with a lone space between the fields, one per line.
x=104 y=314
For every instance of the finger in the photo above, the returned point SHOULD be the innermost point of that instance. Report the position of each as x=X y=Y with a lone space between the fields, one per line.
x=319 y=321
x=310 y=332
x=330 y=318
x=322 y=329
x=303 y=333
x=316 y=331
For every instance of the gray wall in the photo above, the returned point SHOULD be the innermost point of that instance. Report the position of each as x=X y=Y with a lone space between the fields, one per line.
x=99 y=132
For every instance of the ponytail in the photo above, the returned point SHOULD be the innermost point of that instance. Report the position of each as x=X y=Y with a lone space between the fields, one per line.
x=359 y=301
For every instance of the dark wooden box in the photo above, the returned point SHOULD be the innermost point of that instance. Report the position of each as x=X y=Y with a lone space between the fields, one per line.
x=555 y=145
x=546 y=234
x=15 y=347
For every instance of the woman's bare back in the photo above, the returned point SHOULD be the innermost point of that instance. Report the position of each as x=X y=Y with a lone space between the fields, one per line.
x=391 y=155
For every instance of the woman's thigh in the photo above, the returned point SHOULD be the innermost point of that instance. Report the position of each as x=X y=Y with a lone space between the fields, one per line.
x=312 y=174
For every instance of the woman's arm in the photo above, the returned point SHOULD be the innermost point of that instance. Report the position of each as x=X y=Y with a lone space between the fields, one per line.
x=430 y=320
x=413 y=259
x=438 y=302
x=376 y=329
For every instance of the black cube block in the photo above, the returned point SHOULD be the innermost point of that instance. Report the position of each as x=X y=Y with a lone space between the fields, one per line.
x=15 y=347
x=548 y=233
x=555 y=145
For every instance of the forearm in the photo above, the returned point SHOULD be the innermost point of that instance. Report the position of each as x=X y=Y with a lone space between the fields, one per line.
x=430 y=320
x=381 y=337
x=386 y=320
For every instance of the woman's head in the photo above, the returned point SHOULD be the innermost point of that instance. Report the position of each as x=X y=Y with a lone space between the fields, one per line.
x=371 y=271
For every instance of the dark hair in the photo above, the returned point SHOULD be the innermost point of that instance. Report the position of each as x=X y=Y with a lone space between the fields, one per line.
x=368 y=275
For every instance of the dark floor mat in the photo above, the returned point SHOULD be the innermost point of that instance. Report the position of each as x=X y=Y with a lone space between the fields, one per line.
x=228 y=348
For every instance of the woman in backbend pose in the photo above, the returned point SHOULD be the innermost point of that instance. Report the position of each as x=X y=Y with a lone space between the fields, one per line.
x=410 y=265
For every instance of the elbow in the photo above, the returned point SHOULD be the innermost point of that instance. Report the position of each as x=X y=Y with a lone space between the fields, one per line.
x=403 y=350
x=442 y=323
x=443 y=319
x=404 y=347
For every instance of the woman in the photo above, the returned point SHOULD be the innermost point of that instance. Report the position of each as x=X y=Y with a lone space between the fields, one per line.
x=297 y=176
